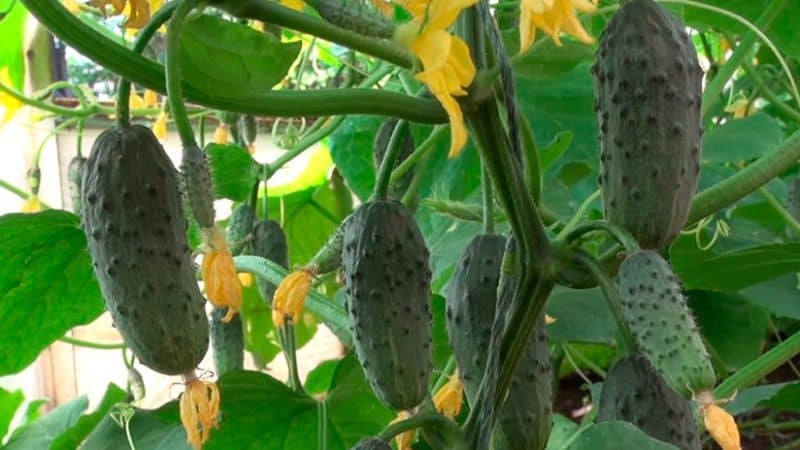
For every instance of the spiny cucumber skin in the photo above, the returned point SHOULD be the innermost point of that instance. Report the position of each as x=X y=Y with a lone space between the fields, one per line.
x=662 y=324
x=355 y=15
x=240 y=227
x=372 y=444
x=472 y=296
x=227 y=342
x=197 y=185
x=269 y=242
x=136 y=235
x=379 y=147
x=387 y=281
x=74 y=178
x=647 y=98
x=635 y=392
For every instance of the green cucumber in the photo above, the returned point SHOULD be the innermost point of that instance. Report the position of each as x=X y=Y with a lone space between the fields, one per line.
x=136 y=235
x=197 y=185
x=240 y=229
x=648 y=91
x=387 y=281
x=269 y=241
x=227 y=342
x=355 y=15
x=77 y=166
x=662 y=324
x=635 y=392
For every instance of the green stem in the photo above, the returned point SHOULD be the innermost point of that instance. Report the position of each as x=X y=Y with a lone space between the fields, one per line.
x=88 y=344
x=333 y=315
x=448 y=370
x=768 y=93
x=577 y=354
x=427 y=145
x=576 y=219
x=619 y=234
x=488 y=201
x=757 y=369
x=533 y=175
x=610 y=292
x=275 y=13
x=37 y=155
x=461 y=211
x=711 y=94
x=392 y=149
x=173 y=72
x=746 y=181
x=147 y=73
x=414 y=422
x=778 y=207
x=410 y=195
x=287 y=338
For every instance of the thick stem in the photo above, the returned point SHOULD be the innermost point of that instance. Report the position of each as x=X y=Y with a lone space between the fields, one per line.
x=746 y=181
x=622 y=236
x=488 y=201
x=173 y=71
x=392 y=149
x=576 y=219
x=142 y=71
x=426 y=146
x=776 y=205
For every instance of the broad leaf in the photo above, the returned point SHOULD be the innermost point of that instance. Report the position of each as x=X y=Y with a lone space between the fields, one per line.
x=218 y=55
x=742 y=139
x=47 y=285
x=616 y=435
x=320 y=378
x=779 y=296
x=751 y=398
x=9 y=403
x=581 y=315
x=44 y=432
x=787 y=399
x=148 y=431
x=71 y=438
x=233 y=171
x=563 y=430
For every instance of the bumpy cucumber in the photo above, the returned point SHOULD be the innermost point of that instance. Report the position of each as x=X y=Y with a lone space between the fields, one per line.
x=269 y=241
x=634 y=392
x=197 y=185
x=136 y=233
x=227 y=342
x=387 y=280
x=648 y=90
x=355 y=15
x=240 y=228
x=379 y=147
x=74 y=179
x=472 y=297
x=372 y=444
x=662 y=324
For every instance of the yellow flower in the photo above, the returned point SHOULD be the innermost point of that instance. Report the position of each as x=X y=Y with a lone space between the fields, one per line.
x=150 y=98
x=73 y=6
x=135 y=101
x=221 y=134
x=404 y=439
x=246 y=279
x=450 y=398
x=553 y=17
x=137 y=11
x=160 y=126
x=199 y=407
x=722 y=427
x=219 y=274
x=8 y=105
x=32 y=205
x=446 y=59
x=741 y=107
x=296 y=5
x=290 y=296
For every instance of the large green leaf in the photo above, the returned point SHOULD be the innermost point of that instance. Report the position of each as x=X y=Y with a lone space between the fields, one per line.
x=730 y=271
x=787 y=399
x=351 y=150
x=581 y=315
x=12 y=28
x=10 y=401
x=148 y=431
x=43 y=433
x=742 y=139
x=233 y=170
x=749 y=399
x=616 y=435
x=218 y=55
x=779 y=296
x=71 y=438
x=546 y=60
x=47 y=285
x=733 y=327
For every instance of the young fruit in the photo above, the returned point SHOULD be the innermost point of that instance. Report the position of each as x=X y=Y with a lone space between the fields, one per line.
x=240 y=227
x=354 y=15
x=648 y=90
x=372 y=444
x=478 y=284
x=136 y=233
x=379 y=147
x=634 y=392
x=387 y=281
x=662 y=324
x=74 y=177
x=227 y=342
x=269 y=241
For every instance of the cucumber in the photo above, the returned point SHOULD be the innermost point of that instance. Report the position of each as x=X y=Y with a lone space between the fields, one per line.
x=240 y=229
x=227 y=342
x=77 y=166
x=136 y=235
x=269 y=241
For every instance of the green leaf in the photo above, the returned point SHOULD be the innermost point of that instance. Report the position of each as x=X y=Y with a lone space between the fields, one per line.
x=562 y=432
x=9 y=403
x=733 y=327
x=441 y=340
x=47 y=285
x=12 y=54
x=71 y=438
x=581 y=316
x=749 y=399
x=351 y=150
x=319 y=380
x=546 y=60
x=730 y=271
x=615 y=435
x=742 y=139
x=554 y=149
x=148 y=431
x=218 y=55
x=787 y=399
x=352 y=409
x=233 y=171
x=259 y=335
x=779 y=296
x=42 y=433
